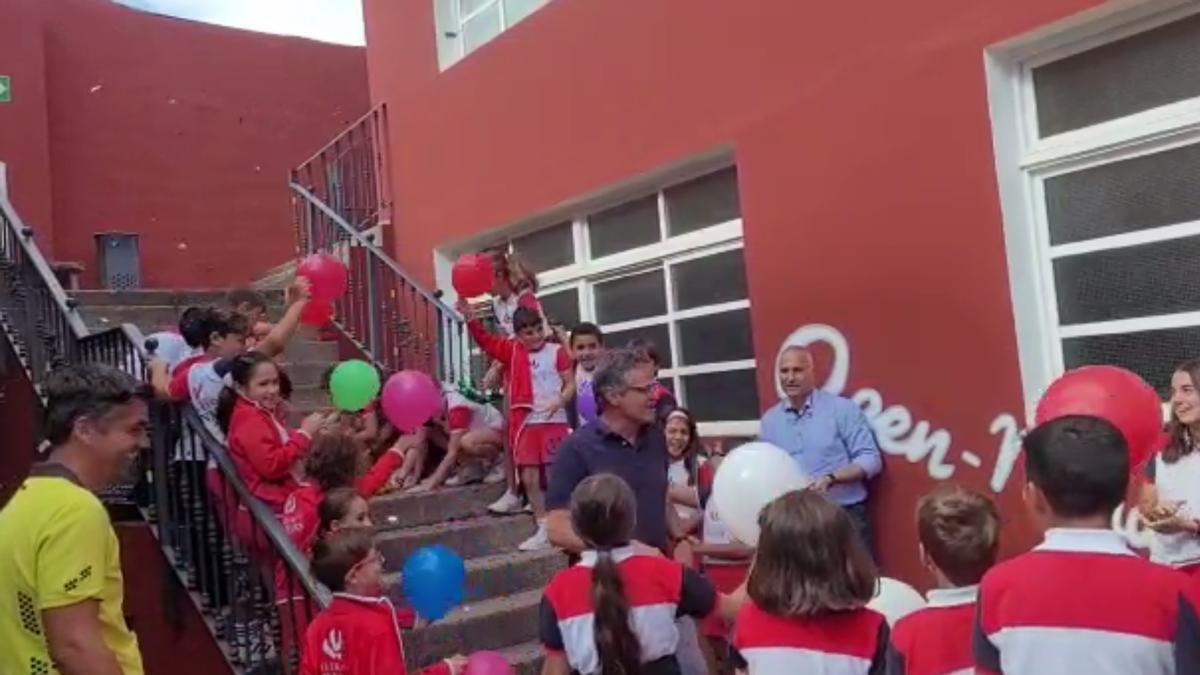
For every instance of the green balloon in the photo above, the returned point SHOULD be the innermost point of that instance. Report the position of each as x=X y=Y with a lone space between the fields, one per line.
x=353 y=385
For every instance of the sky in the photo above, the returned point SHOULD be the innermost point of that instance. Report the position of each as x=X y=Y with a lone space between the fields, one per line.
x=337 y=21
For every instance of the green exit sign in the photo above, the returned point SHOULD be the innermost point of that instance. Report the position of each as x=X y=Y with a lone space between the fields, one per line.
x=5 y=89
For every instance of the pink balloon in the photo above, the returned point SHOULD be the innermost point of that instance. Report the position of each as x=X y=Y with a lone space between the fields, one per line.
x=326 y=275
x=487 y=663
x=410 y=398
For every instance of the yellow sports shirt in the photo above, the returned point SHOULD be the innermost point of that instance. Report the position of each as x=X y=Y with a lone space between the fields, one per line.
x=57 y=548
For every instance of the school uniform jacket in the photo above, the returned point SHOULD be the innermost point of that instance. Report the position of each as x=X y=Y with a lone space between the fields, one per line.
x=264 y=452
x=1083 y=602
x=852 y=642
x=657 y=590
x=936 y=640
x=357 y=635
x=299 y=517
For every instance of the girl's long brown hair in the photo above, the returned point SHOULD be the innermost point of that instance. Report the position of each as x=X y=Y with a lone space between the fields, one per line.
x=603 y=513
x=1180 y=442
x=695 y=449
x=512 y=268
x=809 y=560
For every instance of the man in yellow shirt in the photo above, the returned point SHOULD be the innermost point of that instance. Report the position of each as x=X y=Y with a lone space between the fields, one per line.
x=61 y=590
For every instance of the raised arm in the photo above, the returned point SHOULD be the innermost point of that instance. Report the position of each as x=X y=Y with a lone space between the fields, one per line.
x=276 y=341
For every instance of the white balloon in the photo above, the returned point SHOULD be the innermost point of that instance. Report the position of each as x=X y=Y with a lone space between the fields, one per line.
x=752 y=476
x=895 y=600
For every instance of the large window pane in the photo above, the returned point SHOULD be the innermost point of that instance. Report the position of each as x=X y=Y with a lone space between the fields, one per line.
x=515 y=10
x=1158 y=278
x=466 y=7
x=1141 y=72
x=562 y=307
x=624 y=227
x=1151 y=354
x=722 y=397
x=1127 y=196
x=705 y=201
x=480 y=28
x=716 y=337
x=636 y=296
x=547 y=249
x=659 y=335
x=709 y=280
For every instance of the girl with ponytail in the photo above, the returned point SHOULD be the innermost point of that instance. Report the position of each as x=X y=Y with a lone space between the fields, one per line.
x=614 y=613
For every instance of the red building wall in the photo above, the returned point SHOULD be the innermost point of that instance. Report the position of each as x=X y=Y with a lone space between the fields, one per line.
x=863 y=144
x=180 y=131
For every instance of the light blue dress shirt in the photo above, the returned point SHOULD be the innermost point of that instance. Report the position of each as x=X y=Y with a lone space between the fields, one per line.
x=825 y=434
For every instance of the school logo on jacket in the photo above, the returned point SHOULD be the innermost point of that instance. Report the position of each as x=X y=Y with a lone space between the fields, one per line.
x=332 y=644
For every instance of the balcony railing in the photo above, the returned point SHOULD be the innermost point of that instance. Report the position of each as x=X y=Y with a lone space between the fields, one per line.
x=350 y=174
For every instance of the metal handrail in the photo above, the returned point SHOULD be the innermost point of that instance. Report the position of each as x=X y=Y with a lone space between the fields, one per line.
x=380 y=108
x=362 y=240
x=24 y=236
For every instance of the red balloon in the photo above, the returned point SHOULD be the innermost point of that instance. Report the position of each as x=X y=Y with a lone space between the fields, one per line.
x=472 y=275
x=326 y=275
x=316 y=313
x=1113 y=394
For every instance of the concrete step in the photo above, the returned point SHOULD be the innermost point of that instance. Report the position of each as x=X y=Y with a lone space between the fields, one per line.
x=526 y=658
x=493 y=624
x=148 y=318
x=472 y=538
x=507 y=573
x=308 y=398
x=427 y=508
x=307 y=373
x=176 y=297
x=304 y=348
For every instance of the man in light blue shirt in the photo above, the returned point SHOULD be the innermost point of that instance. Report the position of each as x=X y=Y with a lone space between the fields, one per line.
x=827 y=435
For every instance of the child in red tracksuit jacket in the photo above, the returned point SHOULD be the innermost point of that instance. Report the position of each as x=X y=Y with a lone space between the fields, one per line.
x=960 y=536
x=539 y=382
x=332 y=463
x=359 y=633
x=264 y=452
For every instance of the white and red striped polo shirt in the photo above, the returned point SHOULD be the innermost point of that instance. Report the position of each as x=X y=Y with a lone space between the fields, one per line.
x=936 y=640
x=1083 y=602
x=853 y=642
x=658 y=591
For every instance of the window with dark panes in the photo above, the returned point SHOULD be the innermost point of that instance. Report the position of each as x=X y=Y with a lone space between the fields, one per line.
x=690 y=301
x=1114 y=196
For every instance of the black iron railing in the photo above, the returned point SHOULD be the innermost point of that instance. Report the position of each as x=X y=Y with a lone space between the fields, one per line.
x=350 y=174
x=391 y=317
x=228 y=549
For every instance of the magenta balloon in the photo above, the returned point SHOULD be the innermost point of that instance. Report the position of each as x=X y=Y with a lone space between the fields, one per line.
x=327 y=276
x=487 y=663
x=409 y=399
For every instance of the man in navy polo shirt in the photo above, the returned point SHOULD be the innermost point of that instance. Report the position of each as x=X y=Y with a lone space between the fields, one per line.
x=624 y=440
x=827 y=435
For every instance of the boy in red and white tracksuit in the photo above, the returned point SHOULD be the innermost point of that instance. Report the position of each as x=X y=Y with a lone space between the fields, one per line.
x=959 y=533
x=359 y=633
x=1082 y=601
x=540 y=382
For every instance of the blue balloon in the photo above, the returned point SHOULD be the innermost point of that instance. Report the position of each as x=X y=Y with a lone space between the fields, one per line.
x=585 y=402
x=434 y=578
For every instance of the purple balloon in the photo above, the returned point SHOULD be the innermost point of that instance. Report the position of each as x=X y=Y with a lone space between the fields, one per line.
x=585 y=402
x=409 y=399
x=487 y=663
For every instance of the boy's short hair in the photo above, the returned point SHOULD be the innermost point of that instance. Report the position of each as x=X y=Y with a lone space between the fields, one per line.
x=245 y=296
x=85 y=390
x=646 y=351
x=191 y=326
x=524 y=318
x=336 y=553
x=960 y=531
x=587 y=328
x=1080 y=463
x=222 y=322
x=327 y=377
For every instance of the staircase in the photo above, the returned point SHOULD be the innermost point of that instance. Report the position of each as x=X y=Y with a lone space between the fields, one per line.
x=340 y=200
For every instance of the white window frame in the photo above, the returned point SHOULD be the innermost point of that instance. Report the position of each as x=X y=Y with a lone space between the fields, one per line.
x=1024 y=162
x=450 y=22
x=585 y=272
